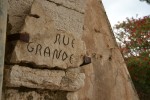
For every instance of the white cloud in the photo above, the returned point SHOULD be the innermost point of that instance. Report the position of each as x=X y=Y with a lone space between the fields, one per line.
x=118 y=10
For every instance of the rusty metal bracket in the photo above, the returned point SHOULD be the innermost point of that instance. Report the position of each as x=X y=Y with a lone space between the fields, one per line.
x=24 y=37
x=86 y=60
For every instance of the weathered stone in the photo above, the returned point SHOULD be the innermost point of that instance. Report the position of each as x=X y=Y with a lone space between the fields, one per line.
x=17 y=11
x=87 y=92
x=109 y=78
x=62 y=17
x=76 y=5
x=29 y=94
x=52 y=42
x=70 y=80
x=34 y=94
x=74 y=80
x=72 y=96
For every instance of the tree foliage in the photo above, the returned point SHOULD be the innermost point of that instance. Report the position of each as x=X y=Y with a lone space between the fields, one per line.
x=133 y=37
x=148 y=1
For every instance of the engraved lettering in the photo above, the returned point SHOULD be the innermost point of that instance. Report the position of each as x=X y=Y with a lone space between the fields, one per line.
x=59 y=54
x=73 y=43
x=29 y=47
x=64 y=56
x=56 y=53
x=38 y=49
x=64 y=40
x=57 y=39
x=47 y=51
x=53 y=51
x=71 y=57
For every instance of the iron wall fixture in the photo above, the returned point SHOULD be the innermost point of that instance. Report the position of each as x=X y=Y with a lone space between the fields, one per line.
x=86 y=60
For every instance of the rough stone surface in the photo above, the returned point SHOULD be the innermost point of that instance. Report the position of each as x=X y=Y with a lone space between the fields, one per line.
x=17 y=11
x=87 y=92
x=29 y=94
x=76 y=5
x=51 y=44
x=111 y=80
x=72 y=96
x=63 y=17
x=107 y=77
x=68 y=14
x=69 y=80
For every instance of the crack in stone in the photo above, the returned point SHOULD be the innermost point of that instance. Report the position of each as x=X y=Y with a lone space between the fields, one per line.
x=58 y=4
x=116 y=76
x=34 y=66
x=34 y=15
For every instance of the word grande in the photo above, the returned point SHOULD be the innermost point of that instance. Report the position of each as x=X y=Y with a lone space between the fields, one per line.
x=47 y=51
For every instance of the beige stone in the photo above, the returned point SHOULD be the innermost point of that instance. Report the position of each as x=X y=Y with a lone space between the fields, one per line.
x=29 y=94
x=63 y=17
x=17 y=11
x=33 y=94
x=77 y=5
x=109 y=78
x=52 y=43
x=74 y=80
x=87 y=92
x=72 y=96
x=69 y=80
x=68 y=14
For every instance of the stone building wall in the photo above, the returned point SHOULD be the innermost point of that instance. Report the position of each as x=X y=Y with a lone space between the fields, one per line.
x=61 y=33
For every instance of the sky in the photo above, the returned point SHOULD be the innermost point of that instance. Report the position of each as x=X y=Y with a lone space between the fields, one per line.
x=119 y=10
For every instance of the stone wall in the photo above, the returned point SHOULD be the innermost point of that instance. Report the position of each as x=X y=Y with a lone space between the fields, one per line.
x=108 y=79
x=61 y=33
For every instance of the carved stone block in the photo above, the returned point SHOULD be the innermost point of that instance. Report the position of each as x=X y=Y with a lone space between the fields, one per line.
x=55 y=39
x=69 y=80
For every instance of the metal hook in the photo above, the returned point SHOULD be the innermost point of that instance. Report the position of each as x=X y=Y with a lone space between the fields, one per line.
x=86 y=60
